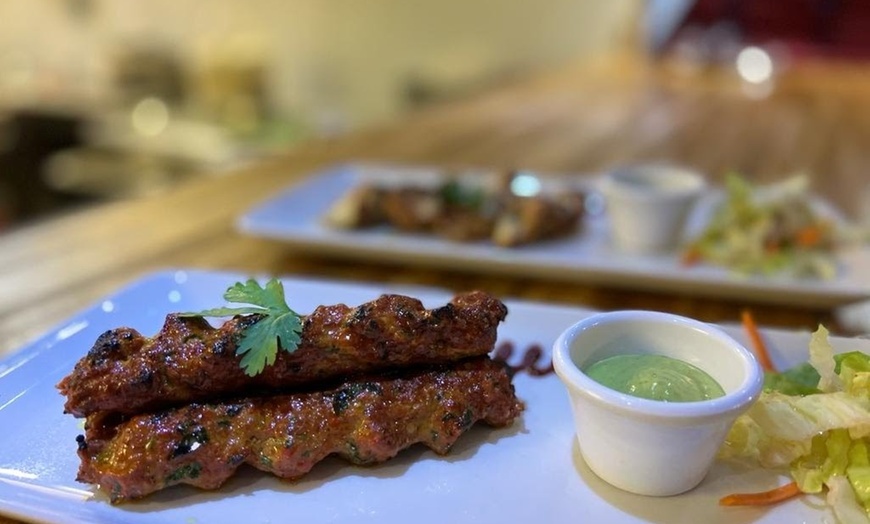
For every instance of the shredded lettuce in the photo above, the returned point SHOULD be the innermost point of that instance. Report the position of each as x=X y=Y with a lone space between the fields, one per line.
x=822 y=359
x=814 y=420
x=846 y=508
x=768 y=230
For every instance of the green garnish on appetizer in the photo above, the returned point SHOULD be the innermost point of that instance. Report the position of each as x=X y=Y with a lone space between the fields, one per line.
x=279 y=327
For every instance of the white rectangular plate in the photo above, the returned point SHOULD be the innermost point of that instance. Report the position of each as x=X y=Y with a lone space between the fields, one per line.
x=530 y=472
x=294 y=216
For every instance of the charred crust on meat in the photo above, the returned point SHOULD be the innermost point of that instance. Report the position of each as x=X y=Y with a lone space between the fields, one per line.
x=108 y=345
x=372 y=327
x=219 y=346
x=463 y=421
x=383 y=349
x=193 y=322
x=191 y=438
x=82 y=443
x=307 y=322
x=346 y=395
x=246 y=321
x=403 y=312
x=145 y=377
x=360 y=313
x=466 y=420
x=440 y=314
x=232 y=410
x=158 y=416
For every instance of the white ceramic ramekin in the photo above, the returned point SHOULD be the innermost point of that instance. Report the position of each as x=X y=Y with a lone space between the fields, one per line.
x=645 y=446
x=648 y=205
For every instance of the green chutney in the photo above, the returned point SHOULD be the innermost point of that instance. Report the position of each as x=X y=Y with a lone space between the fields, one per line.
x=655 y=377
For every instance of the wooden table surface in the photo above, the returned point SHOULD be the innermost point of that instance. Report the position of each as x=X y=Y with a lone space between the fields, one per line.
x=580 y=119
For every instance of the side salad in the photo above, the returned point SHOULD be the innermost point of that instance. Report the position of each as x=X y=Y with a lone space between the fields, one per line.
x=813 y=421
x=768 y=231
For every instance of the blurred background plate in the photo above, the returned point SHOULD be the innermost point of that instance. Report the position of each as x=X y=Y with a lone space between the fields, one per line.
x=294 y=217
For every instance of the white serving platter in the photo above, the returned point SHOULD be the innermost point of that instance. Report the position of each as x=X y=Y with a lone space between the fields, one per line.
x=529 y=472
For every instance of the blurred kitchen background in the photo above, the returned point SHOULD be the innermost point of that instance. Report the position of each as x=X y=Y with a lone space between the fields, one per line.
x=110 y=99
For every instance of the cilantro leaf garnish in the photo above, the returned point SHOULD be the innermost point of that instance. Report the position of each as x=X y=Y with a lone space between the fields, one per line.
x=455 y=193
x=280 y=325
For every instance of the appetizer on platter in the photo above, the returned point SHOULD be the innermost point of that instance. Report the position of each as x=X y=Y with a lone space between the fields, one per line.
x=506 y=213
x=768 y=231
x=280 y=391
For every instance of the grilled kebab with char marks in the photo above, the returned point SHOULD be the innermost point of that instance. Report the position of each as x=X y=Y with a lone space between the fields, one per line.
x=191 y=361
x=365 y=421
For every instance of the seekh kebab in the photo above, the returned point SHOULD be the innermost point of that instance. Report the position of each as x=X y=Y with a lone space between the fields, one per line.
x=365 y=421
x=361 y=383
x=189 y=360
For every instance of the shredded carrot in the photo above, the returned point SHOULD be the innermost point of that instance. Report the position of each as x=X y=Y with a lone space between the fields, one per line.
x=810 y=236
x=691 y=256
x=785 y=491
x=763 y=498
x=758 y=345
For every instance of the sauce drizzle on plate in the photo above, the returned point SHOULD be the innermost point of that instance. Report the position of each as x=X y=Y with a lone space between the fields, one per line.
x=529 y=363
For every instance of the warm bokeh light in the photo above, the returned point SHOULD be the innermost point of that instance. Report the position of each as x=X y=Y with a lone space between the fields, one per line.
x=150 y=116
x=754 y=65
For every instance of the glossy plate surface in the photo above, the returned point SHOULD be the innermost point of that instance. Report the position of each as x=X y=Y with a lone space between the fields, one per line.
x=529 y=472
x=294 y=216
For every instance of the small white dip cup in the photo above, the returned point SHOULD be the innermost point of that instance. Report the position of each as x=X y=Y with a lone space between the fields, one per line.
x=648 y=205
x=646 y=446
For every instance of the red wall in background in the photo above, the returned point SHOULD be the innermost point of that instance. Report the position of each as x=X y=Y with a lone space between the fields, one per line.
x=834 y=28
